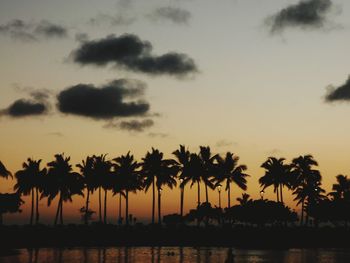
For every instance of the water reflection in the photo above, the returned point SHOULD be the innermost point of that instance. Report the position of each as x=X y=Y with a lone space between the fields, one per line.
x=176 y=255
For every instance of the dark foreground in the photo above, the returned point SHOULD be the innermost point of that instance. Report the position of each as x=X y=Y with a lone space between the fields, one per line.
x=175 y=255
x=109 y=235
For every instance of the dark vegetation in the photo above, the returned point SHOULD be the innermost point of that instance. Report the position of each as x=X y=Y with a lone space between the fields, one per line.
x=248 y=223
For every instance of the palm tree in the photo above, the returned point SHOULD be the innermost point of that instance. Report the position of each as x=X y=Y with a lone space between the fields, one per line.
x=29 y=181
x=183 y=158
x=277 y=174
x=117 y=189
x=195 y=172
x=151 y=166
x=127 y=168
x=102 y=169
x=4 y=172
x=227 y=169
x=87 y=172
x=306 y=183
x=244 y=199
x=61 y=180
x=208 y=168
x=341 y=190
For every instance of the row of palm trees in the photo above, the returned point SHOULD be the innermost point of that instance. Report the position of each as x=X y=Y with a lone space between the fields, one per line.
x=124 y=174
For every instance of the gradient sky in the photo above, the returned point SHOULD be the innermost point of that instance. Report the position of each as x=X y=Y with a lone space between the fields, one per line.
x=256 y=94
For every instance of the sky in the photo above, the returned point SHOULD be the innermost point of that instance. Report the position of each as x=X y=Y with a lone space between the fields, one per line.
x=257 y=78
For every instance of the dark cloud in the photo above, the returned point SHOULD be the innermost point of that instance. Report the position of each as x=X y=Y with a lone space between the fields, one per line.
x=135 y=125
x=24 y=108
x=131 y=53
x=341 y=93
x=106 y=102
x=37 y=105
x=50 y=30
x=28 y=31
x=131 y=125
x=173 y=14
x=305 y=14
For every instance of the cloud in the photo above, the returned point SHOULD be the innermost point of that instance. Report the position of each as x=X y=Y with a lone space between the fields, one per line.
x=56 y=134
x=225 y=143
x=341 y=93
x=132 y=125
x=305 y=14
x=158 y=135
x=119 y=19
x=174 y=14
x=105 y=102
x=24 y=108
x=28 y=31
x=50 y=30
x=129 y=52
x=37 y=105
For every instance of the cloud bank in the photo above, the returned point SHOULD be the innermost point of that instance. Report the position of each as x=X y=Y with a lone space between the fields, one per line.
x=173 y=14
x=338 y=94
x=27 y=31
x=129 y=52
x=305 y=14
x=105 y=102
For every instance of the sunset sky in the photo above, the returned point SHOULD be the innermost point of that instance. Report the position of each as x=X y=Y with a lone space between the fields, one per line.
x=258 y=78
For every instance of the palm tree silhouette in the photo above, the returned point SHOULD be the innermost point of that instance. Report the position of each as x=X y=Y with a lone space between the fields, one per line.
x=244 y=199
x=87 y=172
x=341 y=190
x=151 y=166
x=277 y=174
x=195 y=172
x=117 y=189
x=306 y=183
x=127 y=168
x=4 y=172
x=183 y=158
x=61 y=180
x=29 y=181
x=227 y=169
x=158 y=171
x=102 y=168
x=208 y=168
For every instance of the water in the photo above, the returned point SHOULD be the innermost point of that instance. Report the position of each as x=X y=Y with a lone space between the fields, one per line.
x=176 y=254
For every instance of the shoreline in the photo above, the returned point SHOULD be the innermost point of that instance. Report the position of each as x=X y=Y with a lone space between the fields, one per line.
x=17 y=237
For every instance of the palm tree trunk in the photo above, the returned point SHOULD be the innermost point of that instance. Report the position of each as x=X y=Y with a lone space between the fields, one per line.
x=32 y=211
x=159 y=208
x=302 y=213
x=278 y=197
x=99 y=204
x=105 y=209
x=281 y=195
x=58 y=211
x=86 y=219
x=228 y=196
x=120 y=208
x=61 y=212
x=153 y=201
x=206 y=193
x=182 y=200
x=127 y=208
x=198 y=194
x=37 y=206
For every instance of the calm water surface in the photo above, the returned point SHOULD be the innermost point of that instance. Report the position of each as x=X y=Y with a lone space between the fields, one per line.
x=176 y=254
